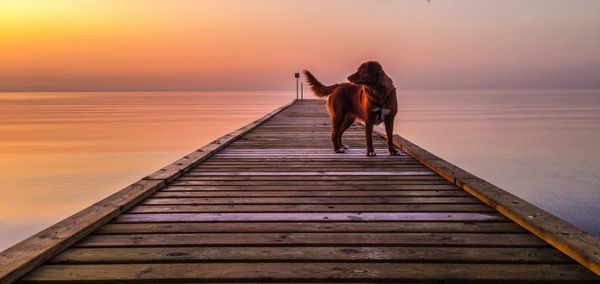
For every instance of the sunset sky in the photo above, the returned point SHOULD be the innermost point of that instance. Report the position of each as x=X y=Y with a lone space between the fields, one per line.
x=141 y=45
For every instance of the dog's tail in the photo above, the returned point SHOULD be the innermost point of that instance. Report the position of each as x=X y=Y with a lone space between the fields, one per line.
x=319 y=89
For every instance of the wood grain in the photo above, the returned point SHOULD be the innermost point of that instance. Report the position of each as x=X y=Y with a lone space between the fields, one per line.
x=314 y=272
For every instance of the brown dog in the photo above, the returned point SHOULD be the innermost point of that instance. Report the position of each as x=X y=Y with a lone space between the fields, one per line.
x=370 y=96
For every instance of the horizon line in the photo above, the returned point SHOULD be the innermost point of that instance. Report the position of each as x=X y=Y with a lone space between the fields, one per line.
x=293 y=90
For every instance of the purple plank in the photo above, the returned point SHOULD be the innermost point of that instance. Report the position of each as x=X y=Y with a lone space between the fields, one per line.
x=316 y=173
x=318 y=216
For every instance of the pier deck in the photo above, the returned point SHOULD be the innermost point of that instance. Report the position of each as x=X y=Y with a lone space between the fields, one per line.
x=272 y=203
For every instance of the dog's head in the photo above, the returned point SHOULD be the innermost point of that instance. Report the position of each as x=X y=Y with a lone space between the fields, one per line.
x=369 y=73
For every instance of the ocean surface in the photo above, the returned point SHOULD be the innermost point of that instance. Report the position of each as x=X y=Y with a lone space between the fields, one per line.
x=61 y=152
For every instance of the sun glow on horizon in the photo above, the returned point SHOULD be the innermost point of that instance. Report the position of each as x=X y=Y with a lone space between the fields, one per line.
x=231 y=44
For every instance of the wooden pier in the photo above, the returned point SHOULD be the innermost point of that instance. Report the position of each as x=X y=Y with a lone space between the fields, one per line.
x=271 y=202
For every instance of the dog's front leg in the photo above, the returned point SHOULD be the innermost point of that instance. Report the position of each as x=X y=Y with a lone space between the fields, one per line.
x=336 y=142
x=369 y=134
x=389 y=133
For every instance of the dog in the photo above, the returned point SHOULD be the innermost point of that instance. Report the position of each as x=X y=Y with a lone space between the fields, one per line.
x=370 y=96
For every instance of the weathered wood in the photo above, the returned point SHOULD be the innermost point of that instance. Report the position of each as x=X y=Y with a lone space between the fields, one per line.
x=312 y=227
x=362 y=178
x=330 y=188
x=307 y=151
x=302 y=168
x=313 y=272
x=304 y=164
x=308 y=162
x=312 y=173
x=307 y=200
x=23 y=257
x=309 y=193
x=312 y=208
x=312 y=254
x=314 y=239
x=308 y=182
x=311 y=156
x=309 y=216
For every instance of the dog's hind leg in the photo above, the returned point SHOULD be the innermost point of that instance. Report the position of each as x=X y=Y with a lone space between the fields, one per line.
x=348 y=121
x=336 y=134
x=389 y=133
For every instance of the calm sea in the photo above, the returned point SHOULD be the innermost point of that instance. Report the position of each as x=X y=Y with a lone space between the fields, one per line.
x=61 y=152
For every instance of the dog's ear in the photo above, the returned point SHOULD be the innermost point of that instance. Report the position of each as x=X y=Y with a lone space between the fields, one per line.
x=385 y=80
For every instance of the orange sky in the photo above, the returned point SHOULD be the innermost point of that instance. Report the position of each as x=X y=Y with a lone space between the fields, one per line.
x=238 y=45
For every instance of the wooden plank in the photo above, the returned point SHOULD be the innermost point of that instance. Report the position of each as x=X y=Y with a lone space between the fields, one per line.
x=312 y=173
x=312 y=208
x=579 y=245
x=307 y=200
x=303 y=168
x=282 y=142
x=300 y=182
x=364 y=178
x=332 y=158
x=313 y=227
x=310 y=162
x=309 y=216
x=386 y=187
x=311 y=156
x=305 y=153
x=310 y=193
x=314 y=239
x=26 y=255
x=356 y=160
x=310 y=166
x=309 y=151
x=292 y=165
x=325 y=272
x=312 y=254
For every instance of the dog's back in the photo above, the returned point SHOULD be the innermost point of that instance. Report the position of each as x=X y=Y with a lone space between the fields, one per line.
x=341 y=97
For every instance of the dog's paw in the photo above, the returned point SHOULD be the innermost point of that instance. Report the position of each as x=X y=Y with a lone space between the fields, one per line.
x=395 y=153
x=345 y=147
x=371 y=153
x=340 y=150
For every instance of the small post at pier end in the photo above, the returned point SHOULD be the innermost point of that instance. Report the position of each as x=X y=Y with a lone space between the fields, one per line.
x=296 y=75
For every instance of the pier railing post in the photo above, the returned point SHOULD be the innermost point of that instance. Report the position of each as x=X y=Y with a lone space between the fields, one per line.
x=297 y=75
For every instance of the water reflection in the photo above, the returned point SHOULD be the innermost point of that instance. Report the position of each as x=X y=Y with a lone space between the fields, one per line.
x=543 y=146
x=62 y=152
